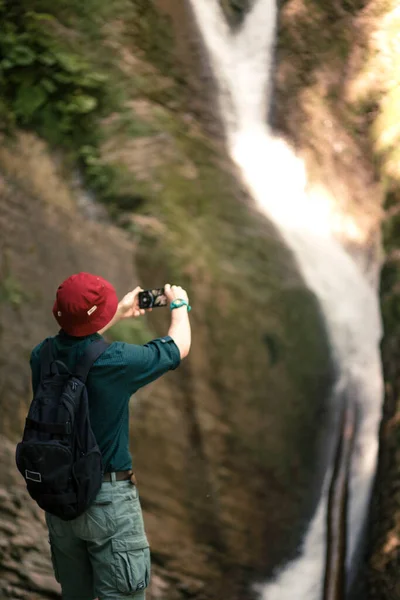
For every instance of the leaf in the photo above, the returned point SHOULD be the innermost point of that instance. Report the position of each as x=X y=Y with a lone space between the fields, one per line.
x=87 y=150
x=92 y=161
x=91 y=80
x=82 y=104
x=8 y=37
x=25 y=78
x=11 y=291
x=22 y=55
x=70 y=62
x=50 y=124
x=7 y=117
x=46 y=58
x=6 y=64
x=66 y=123
x=35 y=16
x=28 y=100
x=48 y=85
x=63 y=77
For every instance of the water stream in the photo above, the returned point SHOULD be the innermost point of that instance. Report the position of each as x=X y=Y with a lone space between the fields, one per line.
x=242 y=62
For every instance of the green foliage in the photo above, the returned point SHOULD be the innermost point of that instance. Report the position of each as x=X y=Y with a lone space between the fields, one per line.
x=11 y=291
x=44 y=85
x=131 y=331
x=153 y=34
x=125 y=124
x=391 y=313
x=390 y=277
x=391 y=232
x=89 y=15
x=390 y=274
x=112 y=183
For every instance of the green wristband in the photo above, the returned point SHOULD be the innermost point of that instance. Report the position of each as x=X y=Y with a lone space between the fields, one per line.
x=178 y=303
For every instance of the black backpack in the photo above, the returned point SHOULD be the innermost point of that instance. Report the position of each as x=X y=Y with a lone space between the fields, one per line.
x=58 y=456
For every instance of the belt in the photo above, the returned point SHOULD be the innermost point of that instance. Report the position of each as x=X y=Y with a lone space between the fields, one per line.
x=121 y=476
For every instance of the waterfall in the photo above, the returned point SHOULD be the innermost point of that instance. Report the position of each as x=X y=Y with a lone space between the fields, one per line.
x=308 y=221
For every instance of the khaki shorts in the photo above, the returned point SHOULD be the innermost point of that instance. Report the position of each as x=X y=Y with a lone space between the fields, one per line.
x=104 y=553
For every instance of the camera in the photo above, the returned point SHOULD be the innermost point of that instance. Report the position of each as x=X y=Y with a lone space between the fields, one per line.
x=152 y=298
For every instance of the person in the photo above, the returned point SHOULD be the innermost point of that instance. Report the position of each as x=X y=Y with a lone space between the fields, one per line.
x=104 y=553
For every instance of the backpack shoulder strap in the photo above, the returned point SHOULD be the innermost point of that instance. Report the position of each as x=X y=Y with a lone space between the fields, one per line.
x=46 y=357
x=91 y=354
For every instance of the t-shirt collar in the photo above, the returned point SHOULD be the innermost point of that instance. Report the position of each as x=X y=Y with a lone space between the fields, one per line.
x=66 y=338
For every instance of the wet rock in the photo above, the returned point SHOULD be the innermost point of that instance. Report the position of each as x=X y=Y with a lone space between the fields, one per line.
x=236 y=10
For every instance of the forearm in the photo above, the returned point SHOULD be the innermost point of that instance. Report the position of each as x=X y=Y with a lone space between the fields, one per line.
x=180 y=331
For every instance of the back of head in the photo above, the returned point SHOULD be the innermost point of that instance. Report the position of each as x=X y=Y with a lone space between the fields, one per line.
x=85 y=303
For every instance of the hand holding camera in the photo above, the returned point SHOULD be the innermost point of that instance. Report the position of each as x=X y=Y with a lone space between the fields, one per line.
x=175 y=292
x=135 y=303
x=162 y=297
x=129 y=305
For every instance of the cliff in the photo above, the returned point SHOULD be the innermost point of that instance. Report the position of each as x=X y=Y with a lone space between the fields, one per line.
x=115 y=164
x=111 y=165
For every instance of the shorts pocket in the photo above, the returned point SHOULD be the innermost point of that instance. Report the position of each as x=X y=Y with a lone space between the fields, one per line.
x=98 y=521
x=131 y=564
x=129 y=517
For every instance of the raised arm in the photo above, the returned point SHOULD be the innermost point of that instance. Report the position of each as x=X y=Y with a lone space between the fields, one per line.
x=179 y=328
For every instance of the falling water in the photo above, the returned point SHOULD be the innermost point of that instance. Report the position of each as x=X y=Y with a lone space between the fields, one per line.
x=242 y=63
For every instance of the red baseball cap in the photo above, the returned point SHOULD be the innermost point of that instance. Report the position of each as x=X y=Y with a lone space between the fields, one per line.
x=84 y=304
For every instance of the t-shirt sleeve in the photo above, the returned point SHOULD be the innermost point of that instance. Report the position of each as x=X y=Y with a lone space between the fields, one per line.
x=148 y=362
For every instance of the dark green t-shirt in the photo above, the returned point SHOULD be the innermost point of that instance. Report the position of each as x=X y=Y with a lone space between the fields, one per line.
x=117 y=374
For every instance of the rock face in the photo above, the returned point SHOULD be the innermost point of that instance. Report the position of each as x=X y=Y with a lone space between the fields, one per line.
x=320 y=106
x=226 y=473
x=25 y=564
x=42 y=242
x=216 y=453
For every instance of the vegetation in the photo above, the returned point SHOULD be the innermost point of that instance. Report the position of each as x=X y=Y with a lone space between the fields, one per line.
x=59 y=78
x=11 y=291
x=132 y=331
x=45 y=85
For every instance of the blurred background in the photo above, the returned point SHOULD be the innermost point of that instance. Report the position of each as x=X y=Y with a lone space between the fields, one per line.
x=247 y=150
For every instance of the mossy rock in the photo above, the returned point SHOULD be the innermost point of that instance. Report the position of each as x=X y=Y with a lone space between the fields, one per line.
x=236 y=10
x=268 y=354
x=132 y=331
